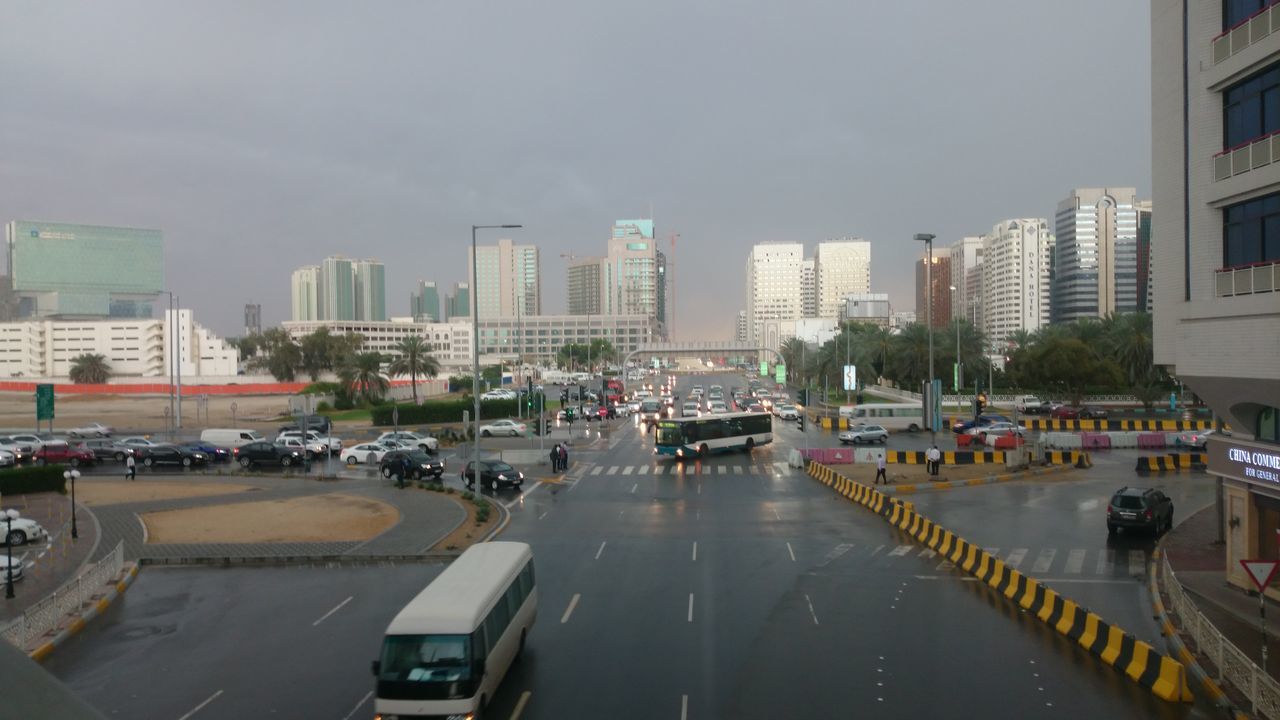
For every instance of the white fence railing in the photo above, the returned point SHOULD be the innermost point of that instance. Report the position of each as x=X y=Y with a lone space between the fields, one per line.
x=43 y=617
x=1233 y=665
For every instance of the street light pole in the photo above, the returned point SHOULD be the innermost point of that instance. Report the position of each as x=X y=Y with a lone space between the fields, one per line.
x=9 y=516
x=475 y=345
x=927 y=239
x=959 y=365
x=71 y=475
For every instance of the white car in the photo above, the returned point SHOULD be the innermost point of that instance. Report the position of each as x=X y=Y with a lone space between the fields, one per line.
x=498 y=395
x=996 y=429
x=92 y=430
x=1195 y=439
x=503 y=427
x=334 y=444
x=690 y=409
x=139 y=441
x=7 y=458
x=35 y=442
x=405 y=437
x=23 y=530
x=312 y=448
x=787 y=412
x=717 y=407
x=864 y=434
x=10 y=562
x=370 y=453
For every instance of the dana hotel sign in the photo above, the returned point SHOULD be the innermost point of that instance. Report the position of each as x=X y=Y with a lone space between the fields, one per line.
x=1257 y=463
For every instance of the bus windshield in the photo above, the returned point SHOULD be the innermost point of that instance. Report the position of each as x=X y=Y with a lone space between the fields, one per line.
x=669 y=433
x=425 y=667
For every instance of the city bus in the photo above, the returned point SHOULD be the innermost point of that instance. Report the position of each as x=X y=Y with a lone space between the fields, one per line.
x=892 y=416
x=698 y=436
x=445 y=653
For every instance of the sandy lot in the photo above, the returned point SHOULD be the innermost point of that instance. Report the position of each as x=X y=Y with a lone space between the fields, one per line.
x=125 y=412
x=110 y=493
x=865 y=473
x=322 y=518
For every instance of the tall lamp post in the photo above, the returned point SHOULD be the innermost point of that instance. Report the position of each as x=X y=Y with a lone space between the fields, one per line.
x=475 y=344
x=9 y=516
x=927 y=239
x=959 y=365
x=70 y=476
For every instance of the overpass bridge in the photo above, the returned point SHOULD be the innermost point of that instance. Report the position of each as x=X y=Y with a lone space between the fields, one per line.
x=700 y=348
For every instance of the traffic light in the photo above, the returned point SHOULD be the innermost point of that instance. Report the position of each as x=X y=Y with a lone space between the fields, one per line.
x=800 y=421
x=979 y=404
x=546 y=426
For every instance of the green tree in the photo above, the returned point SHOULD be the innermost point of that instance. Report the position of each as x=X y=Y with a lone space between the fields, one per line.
x=414 y=359
x=572 y=356
x=278 y=355
x=90 y=369
x=363 y=378
x=1067 y=366
x=1130 y=344
x=909 y=356
x=793 y=351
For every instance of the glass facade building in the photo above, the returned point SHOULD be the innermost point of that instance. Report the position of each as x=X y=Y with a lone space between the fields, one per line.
x=60 y=270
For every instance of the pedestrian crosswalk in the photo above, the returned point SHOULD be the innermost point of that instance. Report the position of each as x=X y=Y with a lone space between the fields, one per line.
x=771 y=469
x=1044 y=562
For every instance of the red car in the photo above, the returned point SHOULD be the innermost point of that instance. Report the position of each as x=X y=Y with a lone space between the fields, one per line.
x=1065 y=412
x=60 y=453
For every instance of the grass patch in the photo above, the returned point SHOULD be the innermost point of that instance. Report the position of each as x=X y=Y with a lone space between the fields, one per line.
x=356 y=415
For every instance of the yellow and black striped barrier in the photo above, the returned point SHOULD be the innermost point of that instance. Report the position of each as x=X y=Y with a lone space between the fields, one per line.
x=1078 y=458
x=1170 y=462
x=1161 y=675
x=1115 y=425
x=949 y=457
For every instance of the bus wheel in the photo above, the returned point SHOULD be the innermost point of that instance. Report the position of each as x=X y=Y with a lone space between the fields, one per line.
x=913 y=428
x=751 y=445
x=702 y=451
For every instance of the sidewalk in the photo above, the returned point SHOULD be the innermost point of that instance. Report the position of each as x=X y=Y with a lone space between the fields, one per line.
x=1200 y=564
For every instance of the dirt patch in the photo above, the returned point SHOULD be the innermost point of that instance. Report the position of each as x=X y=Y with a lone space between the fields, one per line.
x=111 y=493
x=865 y=473
x=320 y=518
x=468 y=533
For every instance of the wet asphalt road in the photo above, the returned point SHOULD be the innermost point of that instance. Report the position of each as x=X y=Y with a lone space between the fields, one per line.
x=737 y=589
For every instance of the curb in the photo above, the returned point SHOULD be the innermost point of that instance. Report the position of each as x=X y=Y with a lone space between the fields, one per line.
x=506 y=518
x=77 y=624
x=229 y=560
x=1147 y=667
x=1170 y=633
x=989 y=480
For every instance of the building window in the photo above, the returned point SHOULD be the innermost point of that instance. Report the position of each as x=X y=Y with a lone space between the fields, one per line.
x=1268 y=426
x=1251 y=108
x=1235 y=12
x=1251 y=232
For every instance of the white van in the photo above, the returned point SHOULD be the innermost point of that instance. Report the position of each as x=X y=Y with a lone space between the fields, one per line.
x=230 y=437
x=1027 y=404
x=446 y=652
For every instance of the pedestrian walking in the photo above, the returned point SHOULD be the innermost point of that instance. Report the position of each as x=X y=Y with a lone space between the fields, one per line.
x=564 y=458
x=880 y=473
x=130 y=468
x=555 y=458
x=934 y=456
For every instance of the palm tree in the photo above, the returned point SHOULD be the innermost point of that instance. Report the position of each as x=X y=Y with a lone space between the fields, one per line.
x=792 y=352
x=90 y=368
x=879 y=338
x=1130 y=345
x=909 y=355
x=363 y=377
x=415 y=359
x=1021 y=339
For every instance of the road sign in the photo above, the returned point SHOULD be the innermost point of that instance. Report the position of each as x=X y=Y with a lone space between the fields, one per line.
x=764 y=368
x=780 y=374
x=1260 y=571
x=850 y=377
x=44 y=402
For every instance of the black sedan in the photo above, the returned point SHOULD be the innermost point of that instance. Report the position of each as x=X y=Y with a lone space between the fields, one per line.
x=493 y=475
x=215 y=453
x=170 y=455
x=108 y=449
x=420 y=465
x=267 y=453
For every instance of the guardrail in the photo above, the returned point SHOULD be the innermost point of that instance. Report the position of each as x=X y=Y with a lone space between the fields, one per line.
x=1261 y=689
x=43 y=617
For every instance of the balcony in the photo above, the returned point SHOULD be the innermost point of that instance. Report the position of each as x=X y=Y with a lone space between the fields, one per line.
x=1247 y=280
x=1249 y=156
x=1246 y=33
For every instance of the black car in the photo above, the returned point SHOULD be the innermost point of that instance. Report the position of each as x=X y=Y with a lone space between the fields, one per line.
x=267 y=453
x=420 y=464
x=108 y=449
x=1093 y=412
x=1139 y=508
x=215 y=453
x=170 y=455
x=493 y=475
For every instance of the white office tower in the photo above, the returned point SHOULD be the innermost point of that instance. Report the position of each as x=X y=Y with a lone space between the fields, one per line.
x=303 y=294
x=966 y=278
x=1016 y=256
x=841 y=268
x=1095 y=269
x=774 y=289
x=507 y=278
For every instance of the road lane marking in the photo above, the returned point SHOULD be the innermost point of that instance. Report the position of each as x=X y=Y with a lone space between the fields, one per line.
x=926 y=554
x=628 y=469
x=695 y=551
x=1105 y=562
x=569 y=610
x=873 y=552
x=1075 y=562
x=200 y=707
x=360 y=704
x=633 y=488
x=523 y=495
x=597 y=470
x=613 y=470
x=524 y=700
x=791 y=552
x=601 y=550
x=699 y=488
x=737 y=469
x=1044 y=561
x=1137 y=562
x=720 y=470
x=544 y=514
x=690 y=607
x=336 y=609
x=900 y=550
x=642 y=470
x=1015 y=557
x=776 y=515
x=812 y=614
x=684 y=707
x=991 y=551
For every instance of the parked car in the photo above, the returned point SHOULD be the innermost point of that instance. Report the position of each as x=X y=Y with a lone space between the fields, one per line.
x=311 y=448
x=369 y=453
x=493 y=475
x=31 y=442
x=137 y=441
x=22 y=531
x=108 y=449
x=10 y=565
x=61 y=453
x=8 y=459
x=93 y=429
x=215 y=452
x=1139 y=508
x=1065 y=412
x=1195 y=439
x=171 y=455
x=864 y=434
x=22 y=452
x=334 y=444
x=266 y=453
x=424 y=442
x=504 y=427
x=420 y=464
x=1093 y=412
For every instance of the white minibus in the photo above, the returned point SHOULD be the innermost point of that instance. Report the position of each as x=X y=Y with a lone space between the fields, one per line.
x=893 y=416
x=446 y=652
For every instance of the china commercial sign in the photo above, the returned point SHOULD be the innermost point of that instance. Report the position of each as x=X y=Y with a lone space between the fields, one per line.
x=1254 y=463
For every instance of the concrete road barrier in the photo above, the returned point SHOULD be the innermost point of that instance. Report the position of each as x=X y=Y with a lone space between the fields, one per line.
x=1171 y=462
x=1066 y=441
x=1163 y=676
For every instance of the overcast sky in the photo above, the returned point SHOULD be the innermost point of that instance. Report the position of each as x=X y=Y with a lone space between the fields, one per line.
x=262 y=136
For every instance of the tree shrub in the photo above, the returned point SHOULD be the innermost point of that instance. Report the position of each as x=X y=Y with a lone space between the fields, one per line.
x=32 y=479
x=442 y=411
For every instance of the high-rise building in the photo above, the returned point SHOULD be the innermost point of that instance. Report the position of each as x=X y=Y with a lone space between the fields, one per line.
x=336 y=289
x=304 y=294
x=459 y=302
x=508 y=280
x=940 y=277
x=966 y=278
x=585 y=285
x=1215 y=72
x=424 y=303
x=741 y=332
x=774 y=285
x=370 y=290
x=59 y=270
x=808 y=289
x=1095 y=260
x=252 y=319
x=1145 y=284
x=841 y=268
x=660 y=290
x=630 y=274
x=1015 y=277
